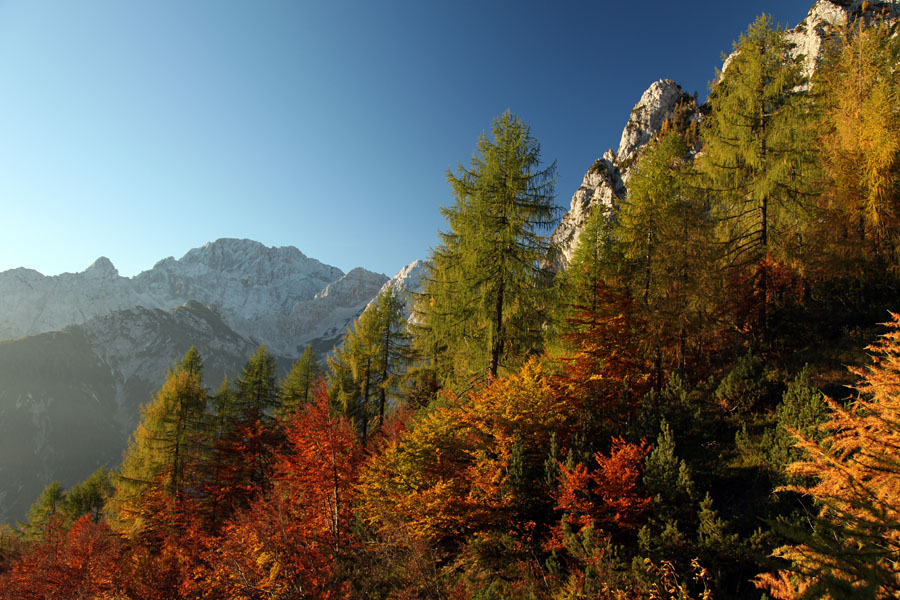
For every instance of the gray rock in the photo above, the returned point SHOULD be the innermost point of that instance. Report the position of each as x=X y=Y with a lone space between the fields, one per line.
x=604 y=184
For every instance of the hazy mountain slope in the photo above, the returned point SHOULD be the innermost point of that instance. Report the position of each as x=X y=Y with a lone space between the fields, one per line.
x=69 y=400
x=87 y=349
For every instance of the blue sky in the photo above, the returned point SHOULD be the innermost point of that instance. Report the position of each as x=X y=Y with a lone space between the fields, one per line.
x=139 y=130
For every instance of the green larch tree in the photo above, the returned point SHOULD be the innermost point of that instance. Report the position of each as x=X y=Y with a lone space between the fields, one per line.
x=296 y=389
x=375 y=352
x=664 y=230
x=757 y=156
x=166 y=447
x=484 y=303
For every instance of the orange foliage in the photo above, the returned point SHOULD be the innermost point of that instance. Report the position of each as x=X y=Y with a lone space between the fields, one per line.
x=854 y=546
x=767 y=283
x=607 y=498
x=79 y=563
x=448 y=477
x=289 y=543
x=605 y=373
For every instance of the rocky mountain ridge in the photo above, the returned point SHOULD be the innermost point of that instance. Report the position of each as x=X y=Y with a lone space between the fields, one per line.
x=264 y=294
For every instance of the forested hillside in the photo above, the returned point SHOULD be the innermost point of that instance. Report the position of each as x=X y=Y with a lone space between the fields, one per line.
x=705 y=403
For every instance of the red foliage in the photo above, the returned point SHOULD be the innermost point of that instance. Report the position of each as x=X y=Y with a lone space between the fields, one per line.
x=608 y=497
x=605 y=373
x=767 y=284
x=290 y=541
x=239 y=470
x=79 y=563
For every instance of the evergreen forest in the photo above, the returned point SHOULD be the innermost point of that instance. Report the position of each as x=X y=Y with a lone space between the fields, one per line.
x=705 y=403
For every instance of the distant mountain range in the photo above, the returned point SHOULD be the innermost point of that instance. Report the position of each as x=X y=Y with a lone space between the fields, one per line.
x=80 y=352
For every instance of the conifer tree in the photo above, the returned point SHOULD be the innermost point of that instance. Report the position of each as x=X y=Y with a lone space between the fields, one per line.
x=256 y=392
x=391 y=342
x=852 y=549
x=166 y=447
x=252 y=434
x=48 y=504
x=89 y=497
x=756 y=155
x=484 y=301
x=598 y=264
x=373 y=355
x=664 y=230
x=858 y=89
x=297 y=387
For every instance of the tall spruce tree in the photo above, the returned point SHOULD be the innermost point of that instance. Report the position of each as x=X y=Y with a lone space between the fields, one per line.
x=484 y=302
x=757 y=155
x=256 y=392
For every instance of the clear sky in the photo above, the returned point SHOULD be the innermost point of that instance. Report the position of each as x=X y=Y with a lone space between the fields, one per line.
x=140 y=130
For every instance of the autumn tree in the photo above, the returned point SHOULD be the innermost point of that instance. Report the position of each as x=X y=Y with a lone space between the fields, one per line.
x=293 y=541
x=484 y=301
x=852 y=549
x=756 y=159
x=165 y=449
x=664 y=228
x=247 y=436
x=464 y=466
x=604 y=375
x=860 y=142
x=70 y=562
x=605 y=496
x=598 y=263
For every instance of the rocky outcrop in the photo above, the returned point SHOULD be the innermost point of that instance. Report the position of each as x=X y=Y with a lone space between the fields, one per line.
x=809 y=36
x=407 y=283
x=601 y=189
x=656 y=105
x=604 y=184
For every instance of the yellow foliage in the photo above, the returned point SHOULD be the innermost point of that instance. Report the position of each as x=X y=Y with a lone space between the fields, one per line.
x=854 y=549
x=448 y=476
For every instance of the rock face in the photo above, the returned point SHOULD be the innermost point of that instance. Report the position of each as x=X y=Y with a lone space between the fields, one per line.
x=604 y=184
x=407 y=283
x=83 y=351
x=810 y=34
x=601 y=189
x=647 y=117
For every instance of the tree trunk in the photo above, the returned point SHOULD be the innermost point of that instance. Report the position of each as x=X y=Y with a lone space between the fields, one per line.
x=497 y=340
